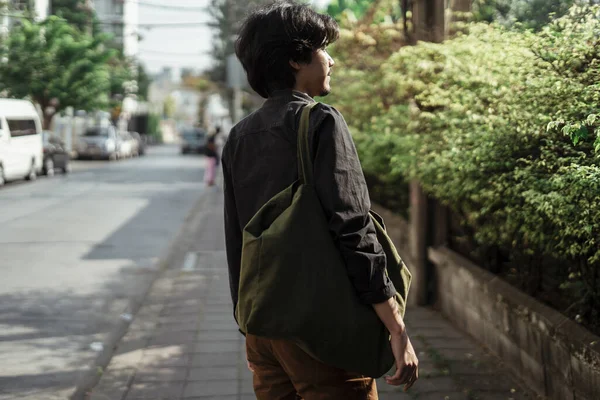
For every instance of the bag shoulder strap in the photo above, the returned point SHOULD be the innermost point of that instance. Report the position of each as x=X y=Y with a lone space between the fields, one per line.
x=305 y=168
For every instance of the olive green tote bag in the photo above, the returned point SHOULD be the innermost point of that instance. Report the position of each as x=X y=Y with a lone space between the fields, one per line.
x=294 y=284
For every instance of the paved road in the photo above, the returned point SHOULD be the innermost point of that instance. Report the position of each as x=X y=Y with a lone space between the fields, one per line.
x=73 y=250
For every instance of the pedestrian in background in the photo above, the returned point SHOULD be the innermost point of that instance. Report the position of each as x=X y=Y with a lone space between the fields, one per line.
x=212 y=157
x=283 y=50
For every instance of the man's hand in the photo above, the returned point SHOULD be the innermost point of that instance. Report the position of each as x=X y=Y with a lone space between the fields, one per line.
x=407 y=363
x=251 y=366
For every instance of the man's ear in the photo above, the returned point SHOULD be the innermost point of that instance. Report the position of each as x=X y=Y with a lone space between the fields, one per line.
x=295 y=65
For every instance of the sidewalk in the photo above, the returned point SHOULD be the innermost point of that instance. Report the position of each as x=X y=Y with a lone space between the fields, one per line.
x=184 y=343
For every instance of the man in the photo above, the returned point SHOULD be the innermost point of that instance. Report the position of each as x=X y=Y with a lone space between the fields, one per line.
x=283 y=50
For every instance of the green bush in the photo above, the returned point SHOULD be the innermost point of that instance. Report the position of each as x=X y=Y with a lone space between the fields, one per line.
x=529 y=14
x=501 y=126
x=359 y=54
x=154 y=130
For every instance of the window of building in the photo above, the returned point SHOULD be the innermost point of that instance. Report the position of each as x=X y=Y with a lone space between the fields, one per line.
x=19 y=5
x=118 y=7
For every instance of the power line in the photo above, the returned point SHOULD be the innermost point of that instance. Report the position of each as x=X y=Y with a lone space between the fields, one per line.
x=147 y=26
x=167 y=7
x=168 y=53
x=174 y=25
x=160 y=24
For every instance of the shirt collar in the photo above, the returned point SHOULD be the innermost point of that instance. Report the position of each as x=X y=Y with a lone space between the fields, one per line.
x=288 y=95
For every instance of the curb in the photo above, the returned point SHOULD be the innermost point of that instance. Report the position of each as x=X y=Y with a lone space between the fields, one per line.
x=177 y=245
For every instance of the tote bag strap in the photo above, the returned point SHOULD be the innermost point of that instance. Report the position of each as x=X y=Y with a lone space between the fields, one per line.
x=305 y=168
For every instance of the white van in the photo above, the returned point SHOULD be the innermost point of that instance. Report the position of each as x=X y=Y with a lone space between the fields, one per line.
x=21 y=149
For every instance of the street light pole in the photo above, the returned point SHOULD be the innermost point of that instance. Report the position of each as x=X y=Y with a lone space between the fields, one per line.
x=232 y=65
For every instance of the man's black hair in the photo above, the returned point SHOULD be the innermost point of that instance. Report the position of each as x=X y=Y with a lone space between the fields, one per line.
x=272 y=36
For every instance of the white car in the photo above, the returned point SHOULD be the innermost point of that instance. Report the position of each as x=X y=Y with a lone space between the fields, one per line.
x=21 y=148
x=99 y=142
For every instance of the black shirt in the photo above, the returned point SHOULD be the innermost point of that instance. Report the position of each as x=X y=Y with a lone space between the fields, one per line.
x=211 y=147
x=259 y=161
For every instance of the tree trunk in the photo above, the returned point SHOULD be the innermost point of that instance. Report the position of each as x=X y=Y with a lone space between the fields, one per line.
x=47 y=121
x=429 y=20
x=370 y=14
x=406 y=6
x=461 y=5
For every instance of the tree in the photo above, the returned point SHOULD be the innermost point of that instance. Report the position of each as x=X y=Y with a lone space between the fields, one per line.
x=169 y=107
x=531 y=14
x=222 y=40
x=79 y=13
x=56 y=66
x=501 y=125
x=227 y=16
x=143 y=82
x=120 y=77
x=198 y=82
x=122 y=83
x=358 y=8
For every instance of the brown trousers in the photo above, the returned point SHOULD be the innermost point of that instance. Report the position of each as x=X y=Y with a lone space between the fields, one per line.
x=283 y=371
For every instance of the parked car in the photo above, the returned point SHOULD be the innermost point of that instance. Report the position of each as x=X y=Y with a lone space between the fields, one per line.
x=20 y=140
x=141 y=140
x=56 y=155
x=99 y=142
x=193 y=140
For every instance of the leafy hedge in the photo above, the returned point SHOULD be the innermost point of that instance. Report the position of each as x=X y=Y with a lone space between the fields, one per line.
x=502 y=126
x=530 y=14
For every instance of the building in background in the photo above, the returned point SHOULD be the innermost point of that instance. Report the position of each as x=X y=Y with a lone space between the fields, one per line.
x=186 y=103
x=216 y=113
x=120 y=18
x=42 y=9
x=13 y=10
x=160 y=89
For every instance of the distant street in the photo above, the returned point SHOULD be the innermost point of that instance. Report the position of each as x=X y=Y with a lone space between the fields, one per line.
x=73 y=250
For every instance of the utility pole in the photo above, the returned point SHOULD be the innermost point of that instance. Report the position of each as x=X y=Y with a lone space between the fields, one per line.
x=233 y=67
x=235 y=81
x=429 y=22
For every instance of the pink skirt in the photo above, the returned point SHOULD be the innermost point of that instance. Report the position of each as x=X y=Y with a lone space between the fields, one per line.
x=210 y=171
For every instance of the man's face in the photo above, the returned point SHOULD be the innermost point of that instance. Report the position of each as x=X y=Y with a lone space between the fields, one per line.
x=313 y=78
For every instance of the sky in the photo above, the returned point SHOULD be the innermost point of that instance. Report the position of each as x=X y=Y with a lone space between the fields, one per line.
x=177 y=47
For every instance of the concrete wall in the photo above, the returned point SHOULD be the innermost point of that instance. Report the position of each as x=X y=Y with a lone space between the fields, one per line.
x=554 y=356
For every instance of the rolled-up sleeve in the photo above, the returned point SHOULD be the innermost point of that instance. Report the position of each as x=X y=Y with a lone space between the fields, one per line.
x=342 y=190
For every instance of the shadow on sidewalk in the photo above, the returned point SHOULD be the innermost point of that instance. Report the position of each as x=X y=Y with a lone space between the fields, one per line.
x=46 y=336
